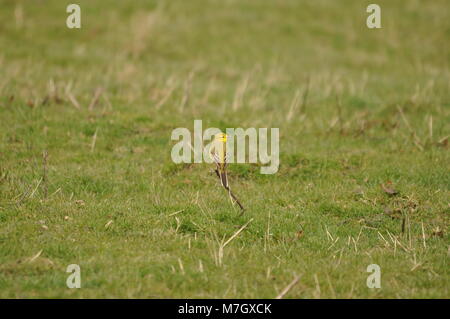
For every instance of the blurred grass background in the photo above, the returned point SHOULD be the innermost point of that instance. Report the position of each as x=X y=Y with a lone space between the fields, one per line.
x=372 y=108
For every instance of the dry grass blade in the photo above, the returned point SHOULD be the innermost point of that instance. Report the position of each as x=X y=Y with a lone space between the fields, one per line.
x=305 y=95
x=165 y=98
x=240 y=92
x=237 y=233
x=187 y=91
x=223 y=245
x=44 y=174
x=108 y=224
x=417 y=141
x=288 y=287
x=295 y=102
x=35 y=256
x=430 y=128
x=73 y=100
x=94 y=101
x=35 y=189
x=94 y=140
x=177 y=212
x=180 y=264
x=317 y=291
x=423 y=237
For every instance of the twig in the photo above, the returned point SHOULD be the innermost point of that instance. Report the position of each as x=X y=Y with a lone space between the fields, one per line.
x=231 y=193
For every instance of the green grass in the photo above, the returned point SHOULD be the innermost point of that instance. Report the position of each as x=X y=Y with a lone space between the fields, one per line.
x=324 y=216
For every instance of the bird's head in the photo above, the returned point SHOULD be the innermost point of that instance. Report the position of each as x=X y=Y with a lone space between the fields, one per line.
x=221 y=137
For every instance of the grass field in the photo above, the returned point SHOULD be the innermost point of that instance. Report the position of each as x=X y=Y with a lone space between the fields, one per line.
x=93 y=184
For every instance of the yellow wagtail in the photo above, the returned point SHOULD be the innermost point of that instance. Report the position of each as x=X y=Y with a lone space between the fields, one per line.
x=219 y=155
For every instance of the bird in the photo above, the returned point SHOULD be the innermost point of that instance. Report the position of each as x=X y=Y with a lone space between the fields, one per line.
x=218 y=154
